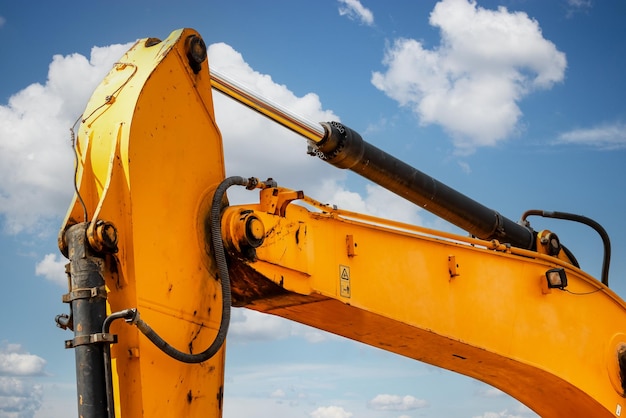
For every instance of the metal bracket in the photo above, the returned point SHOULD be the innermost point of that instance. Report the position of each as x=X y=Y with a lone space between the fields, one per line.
x=276 y=199
x=85 y=293
x=100 y=337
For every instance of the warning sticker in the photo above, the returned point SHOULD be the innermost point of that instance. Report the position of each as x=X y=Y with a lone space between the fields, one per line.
x=344 y=281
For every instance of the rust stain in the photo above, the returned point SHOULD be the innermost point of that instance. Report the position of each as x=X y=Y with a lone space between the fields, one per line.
x=251 y=289
x=194 y=336
x=247 y=285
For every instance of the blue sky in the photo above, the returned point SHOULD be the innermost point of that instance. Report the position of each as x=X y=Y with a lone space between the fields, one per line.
x=518 y=104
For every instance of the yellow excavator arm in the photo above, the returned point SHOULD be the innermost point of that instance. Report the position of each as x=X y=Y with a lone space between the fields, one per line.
x=158 y=257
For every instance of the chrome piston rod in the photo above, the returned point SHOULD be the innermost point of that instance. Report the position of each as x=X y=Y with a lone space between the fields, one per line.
x=244 y=95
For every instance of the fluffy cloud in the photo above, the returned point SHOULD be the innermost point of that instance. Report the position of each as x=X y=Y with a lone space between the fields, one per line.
x=470 y=84
x=604 y=137
x=579 y=3
x=330 y=412
x=354 y=10
x=52 y=267
x=247 y=325
x=15 y=362
x=36 y=160
x=256 y=146
x=386 y=402
x=377 y=203
x=489 y=392
x=575 y=6
x=278 y=393
x=19 y=397
x=503 y=414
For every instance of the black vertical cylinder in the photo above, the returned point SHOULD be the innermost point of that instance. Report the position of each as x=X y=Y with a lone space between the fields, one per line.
x=88 y=311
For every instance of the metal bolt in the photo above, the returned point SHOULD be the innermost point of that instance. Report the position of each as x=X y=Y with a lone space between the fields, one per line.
x=107 y=233
x=103 y=238
x=196 y=52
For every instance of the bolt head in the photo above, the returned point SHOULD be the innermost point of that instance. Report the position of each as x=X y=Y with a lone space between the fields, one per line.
x=196 y=49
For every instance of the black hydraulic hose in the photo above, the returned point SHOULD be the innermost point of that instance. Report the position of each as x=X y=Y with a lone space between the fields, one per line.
x=584 y=220
x=220 y=258
x=108 y=381
x=132 y=315
x=129 y=315
x=570 y=255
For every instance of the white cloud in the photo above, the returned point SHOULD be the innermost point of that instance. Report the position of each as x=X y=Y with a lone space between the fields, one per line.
x=59 y=398
x=354 y=10
x=2 y=21
x=278 y=393
x=465 y=167
x=604 y=137
x=36 y=160
x=470 y=84
x=52 y=267
x=19 y=397
x=575 y=6
x=248 y=325
x=385 y=402
x=15 y=362
x=579 y=3
x=330 y=412
x=490 y=392
x=377 y=201
x=503 y=414
x=256 y=146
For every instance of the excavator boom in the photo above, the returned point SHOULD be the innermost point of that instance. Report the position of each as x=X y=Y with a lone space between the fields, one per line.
x=158 y=257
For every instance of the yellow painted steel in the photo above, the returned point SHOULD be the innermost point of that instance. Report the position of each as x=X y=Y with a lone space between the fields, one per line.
x=149 y=158
x=150 y=128
x=475 y=307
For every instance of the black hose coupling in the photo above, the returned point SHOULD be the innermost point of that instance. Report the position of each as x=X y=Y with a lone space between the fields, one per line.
x=340 y=146
x=255 y=183
x=131 y=316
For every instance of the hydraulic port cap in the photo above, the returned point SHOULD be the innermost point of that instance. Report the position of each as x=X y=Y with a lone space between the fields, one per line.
x=242 y=230
x=196 y=52
x=254 y=231
x=616 y=363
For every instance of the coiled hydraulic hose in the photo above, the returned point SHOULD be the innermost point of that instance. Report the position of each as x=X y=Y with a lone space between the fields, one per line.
x=132 y=315
x=222 y=267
